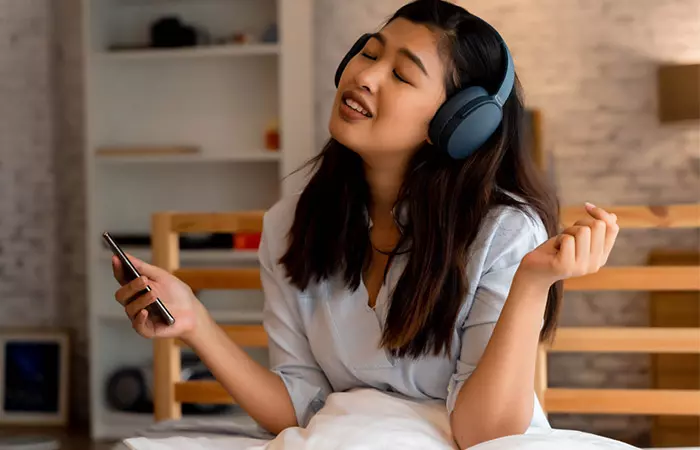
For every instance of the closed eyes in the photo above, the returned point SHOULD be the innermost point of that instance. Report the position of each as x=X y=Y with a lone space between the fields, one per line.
x=395 y=73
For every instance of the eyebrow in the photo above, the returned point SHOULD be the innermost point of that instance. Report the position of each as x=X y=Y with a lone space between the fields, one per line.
x=404 y=51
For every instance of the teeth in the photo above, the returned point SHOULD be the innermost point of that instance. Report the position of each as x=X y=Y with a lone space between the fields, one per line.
x=356 y=106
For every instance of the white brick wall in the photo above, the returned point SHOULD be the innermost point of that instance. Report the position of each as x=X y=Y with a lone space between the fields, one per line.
x=41 y=174
x=27 y=219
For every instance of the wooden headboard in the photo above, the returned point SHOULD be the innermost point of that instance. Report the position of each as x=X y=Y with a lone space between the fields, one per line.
x=171 y=392
x=650 y=340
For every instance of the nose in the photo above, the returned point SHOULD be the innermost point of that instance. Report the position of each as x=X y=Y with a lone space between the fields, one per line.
x=369 y=78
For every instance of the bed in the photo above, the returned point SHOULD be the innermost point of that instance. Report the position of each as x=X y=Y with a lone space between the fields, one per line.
x=170 y=392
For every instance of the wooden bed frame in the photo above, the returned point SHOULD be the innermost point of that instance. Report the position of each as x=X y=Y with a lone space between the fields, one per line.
x=170 y=392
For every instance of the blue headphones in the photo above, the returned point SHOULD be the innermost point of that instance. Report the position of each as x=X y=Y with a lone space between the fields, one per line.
x=466 y=120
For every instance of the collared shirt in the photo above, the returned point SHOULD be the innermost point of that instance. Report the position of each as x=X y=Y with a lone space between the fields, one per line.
x=326 y=338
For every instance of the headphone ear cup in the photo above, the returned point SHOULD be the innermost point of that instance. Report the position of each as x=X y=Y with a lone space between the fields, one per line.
x=465 y=122
x=354 y=50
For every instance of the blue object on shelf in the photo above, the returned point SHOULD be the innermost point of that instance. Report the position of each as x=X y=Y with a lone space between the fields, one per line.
x=270 y=34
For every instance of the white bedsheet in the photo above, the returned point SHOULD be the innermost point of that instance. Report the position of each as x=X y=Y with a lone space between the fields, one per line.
x=371 y=420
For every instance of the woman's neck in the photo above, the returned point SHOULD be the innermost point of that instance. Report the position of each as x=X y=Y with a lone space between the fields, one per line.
x=384 y=184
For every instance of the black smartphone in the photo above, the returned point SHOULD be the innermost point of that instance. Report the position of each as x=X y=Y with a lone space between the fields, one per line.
x=156 y=309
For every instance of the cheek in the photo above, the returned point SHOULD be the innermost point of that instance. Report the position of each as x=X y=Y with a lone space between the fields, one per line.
x=408 y=115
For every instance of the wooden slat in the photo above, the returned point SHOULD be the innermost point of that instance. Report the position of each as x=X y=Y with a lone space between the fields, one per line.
x=639 y=278
x=670 y=216
x=166 y=372
x=220 y=278
x=166 y=355
x=207 y=392
x=541 y=374
x=224 y=222
x=243 y=335
x=623 y=401
x=147 y=151
x=247 y=335
x=624 y=340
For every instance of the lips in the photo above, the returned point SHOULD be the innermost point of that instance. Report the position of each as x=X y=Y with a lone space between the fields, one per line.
x=356 y=101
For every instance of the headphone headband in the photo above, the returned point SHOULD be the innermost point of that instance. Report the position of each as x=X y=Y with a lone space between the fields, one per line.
x=508 y=80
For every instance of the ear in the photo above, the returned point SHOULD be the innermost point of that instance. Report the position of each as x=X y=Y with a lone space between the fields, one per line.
x=427 y=133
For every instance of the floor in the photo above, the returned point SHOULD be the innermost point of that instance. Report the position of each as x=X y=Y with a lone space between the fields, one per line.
x=69 y=439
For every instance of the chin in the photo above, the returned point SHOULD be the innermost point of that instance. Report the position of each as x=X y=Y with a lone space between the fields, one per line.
x=344 y=133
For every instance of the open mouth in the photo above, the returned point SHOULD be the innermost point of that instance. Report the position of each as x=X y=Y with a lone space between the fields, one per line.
x=356 y=104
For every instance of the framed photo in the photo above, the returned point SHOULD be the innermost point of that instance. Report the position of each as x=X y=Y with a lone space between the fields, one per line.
x=34 y=377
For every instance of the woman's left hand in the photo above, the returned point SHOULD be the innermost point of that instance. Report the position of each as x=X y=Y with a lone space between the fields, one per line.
x=579 y=250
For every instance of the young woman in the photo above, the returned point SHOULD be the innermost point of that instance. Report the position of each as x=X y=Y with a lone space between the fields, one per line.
x=422 y=257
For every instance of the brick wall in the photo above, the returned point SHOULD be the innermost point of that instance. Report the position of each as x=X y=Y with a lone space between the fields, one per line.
x=27 y=219
x=41 y=175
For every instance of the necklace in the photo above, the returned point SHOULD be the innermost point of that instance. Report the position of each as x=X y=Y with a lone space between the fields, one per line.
x=383 y=252
x=388 y=253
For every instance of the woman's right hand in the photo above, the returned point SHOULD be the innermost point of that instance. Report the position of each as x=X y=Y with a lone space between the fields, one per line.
x=189 y=313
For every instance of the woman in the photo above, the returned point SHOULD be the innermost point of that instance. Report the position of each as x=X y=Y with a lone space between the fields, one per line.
x=421 y=258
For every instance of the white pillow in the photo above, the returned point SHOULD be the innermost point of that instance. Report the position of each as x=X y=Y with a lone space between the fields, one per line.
x=540 y=439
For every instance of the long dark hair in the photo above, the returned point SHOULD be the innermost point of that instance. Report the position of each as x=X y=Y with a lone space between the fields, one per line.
x=445 y=200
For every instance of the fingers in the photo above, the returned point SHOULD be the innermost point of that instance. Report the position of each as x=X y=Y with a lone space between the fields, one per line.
x=137 y=305
x=140 y=324
x=611 y=228
x=149 y=270
x=125 y=293
x=600 y=213
x=598 y=228
x=567 y=250
x=582 y=245
x=117 y=270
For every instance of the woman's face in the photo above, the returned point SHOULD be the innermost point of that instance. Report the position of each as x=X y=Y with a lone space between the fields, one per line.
x=389 y=92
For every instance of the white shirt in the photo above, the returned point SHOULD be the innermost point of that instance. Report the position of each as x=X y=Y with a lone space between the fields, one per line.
x=326 y=339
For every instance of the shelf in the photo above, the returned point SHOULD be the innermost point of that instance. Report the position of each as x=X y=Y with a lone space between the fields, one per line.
x=122 y=425
x=199 y=256
x=199 y=118
x=214 y=51
x=243 y=157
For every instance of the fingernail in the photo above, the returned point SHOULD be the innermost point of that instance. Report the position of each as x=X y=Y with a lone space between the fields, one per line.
x=590 y=205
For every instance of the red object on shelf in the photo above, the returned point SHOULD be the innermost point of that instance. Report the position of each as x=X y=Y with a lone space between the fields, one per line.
x=272 y=136
x=272 y=140
x=246 y=241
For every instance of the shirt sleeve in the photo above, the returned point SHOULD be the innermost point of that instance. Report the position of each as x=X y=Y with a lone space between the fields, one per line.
x=513 y=238
x=289 y=351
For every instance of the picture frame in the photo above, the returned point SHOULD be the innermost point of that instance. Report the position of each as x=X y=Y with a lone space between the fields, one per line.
x=34 y=372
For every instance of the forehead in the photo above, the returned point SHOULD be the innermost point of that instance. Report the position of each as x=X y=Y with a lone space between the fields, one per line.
x=418 y=39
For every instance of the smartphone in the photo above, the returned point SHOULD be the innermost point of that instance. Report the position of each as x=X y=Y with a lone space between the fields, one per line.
x=157 y=309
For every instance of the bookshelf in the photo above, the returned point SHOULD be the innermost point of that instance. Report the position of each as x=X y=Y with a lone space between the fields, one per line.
x=217 y=100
